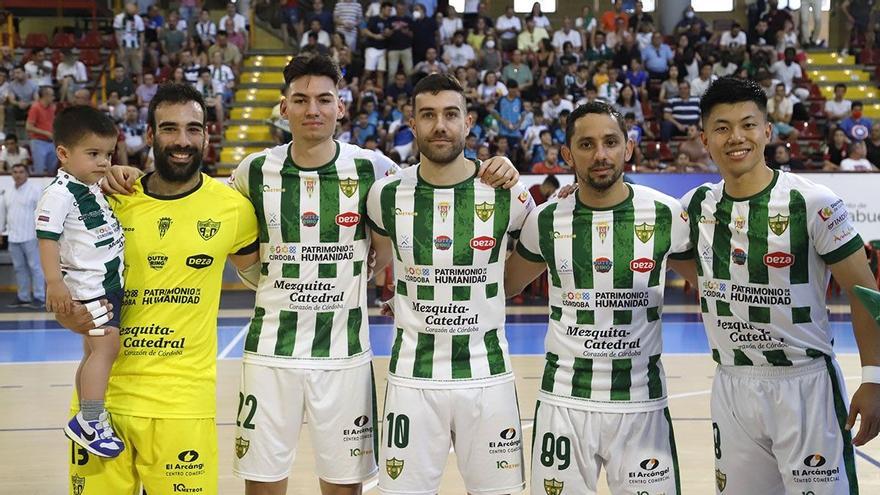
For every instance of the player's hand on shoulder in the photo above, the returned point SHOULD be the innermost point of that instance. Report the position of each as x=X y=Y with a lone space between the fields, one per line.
x=566 y=191
x=498 y=171
x=866 y=404
x=58 y=298
x=387 y=308
x=120 y=179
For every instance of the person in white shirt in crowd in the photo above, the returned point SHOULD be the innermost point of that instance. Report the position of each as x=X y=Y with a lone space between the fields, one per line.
x=779 y=110
x=239 y=22
x=347 y=16
x=491 y=89
x=129 y=28
x=541 y=20
x=724 y=67
x=610 y=91
x=206 y=29
x=17 y=220
x=551 y=108
x=508 y=27
x=223 y=74
x=12 y=154
x=787 y=69
x=430 y=65
x=857 y=160
x=134 y=130
x=566 y=34
x=39 y=69
x=586 y=25
x=448 y=25
x=315 y=27
x=71 y=74
x=4 y=97
x=212 y=91
x=734 y=40
x=700 y=84
x=839 y=107
x=459 y=53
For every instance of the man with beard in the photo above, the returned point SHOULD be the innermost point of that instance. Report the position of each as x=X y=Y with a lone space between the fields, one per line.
x=606 y=248
x=307 y=353
x=450 y=378
x=180 y=226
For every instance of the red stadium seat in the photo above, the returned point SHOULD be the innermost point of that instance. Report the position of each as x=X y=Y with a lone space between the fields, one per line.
x=56 y=57
x=794 y=149
x=817 y=109
x=808 y=130
x=63 y=40
x=36 y=40
x=91 y=39
x=91 y=57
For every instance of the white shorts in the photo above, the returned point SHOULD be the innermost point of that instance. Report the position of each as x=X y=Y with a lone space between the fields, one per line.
x=375 y=59
x=339 y=405
x=780 y=430
x=482 y=424
x=570 y=446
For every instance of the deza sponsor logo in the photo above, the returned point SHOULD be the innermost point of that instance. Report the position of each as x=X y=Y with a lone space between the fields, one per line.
x=348 y=219
x=642 y=265
x=778 y=259
x=483 y=243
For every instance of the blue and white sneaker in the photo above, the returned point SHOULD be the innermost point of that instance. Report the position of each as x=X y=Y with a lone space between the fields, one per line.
x=95 y=436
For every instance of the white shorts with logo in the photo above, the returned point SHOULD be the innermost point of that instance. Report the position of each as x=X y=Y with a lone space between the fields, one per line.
x=375 y=59
x=571 y=445
x=420 y=425
x=340 y=408
x=780 y=430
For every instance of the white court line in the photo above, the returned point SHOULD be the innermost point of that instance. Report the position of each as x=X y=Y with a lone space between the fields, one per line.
x=231 y=345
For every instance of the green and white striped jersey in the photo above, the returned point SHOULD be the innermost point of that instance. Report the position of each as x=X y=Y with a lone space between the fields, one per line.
x=763 y=268
x=607 y=270
x=450 y=247
x=311 y=308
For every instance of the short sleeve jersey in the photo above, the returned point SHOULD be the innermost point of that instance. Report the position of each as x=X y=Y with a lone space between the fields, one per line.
x=607 y=272
x=89 y=237
x=311 y=307
x=449 y=252
x=175 y=252
x=763 y=268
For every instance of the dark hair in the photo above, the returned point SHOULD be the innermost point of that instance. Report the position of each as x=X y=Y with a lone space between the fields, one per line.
x=11 y=136
x=730 y=89
x=552 y=180
x=597 y=107
x=204 y=70
x=221 y=32
x=435 y=83
x=311 y=65
x=174 y=93
x=76 y=123
x=386 y=4
x=857 y=103
x=839 y=85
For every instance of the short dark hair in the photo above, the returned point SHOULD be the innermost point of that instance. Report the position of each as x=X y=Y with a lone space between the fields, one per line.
x=76 y=123
x=173 y=93
x=11 y=136
x=730 y=89
x=311 y=65
x=221 y=32
x=435 y=83
x=595 y=107
x=204 y=70
x=552 y=180
x=857 y=103
x=839 y=85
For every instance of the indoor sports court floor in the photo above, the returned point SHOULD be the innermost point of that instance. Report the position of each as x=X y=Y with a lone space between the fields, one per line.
x=38 y=360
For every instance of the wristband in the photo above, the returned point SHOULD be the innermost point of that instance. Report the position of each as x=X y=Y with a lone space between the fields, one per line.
x=870 y=374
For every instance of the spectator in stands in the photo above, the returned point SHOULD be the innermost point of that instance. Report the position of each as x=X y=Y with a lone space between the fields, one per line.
x=134 y=130
x=700 y=84
x=189 y=9
x=17 y=220
x=508 y=27
x=489 y=59
x=599 y=50
x=173 y=36
x=362 y=129
x=237 y=38
x=839 y=107
x=620 y=35
x=537 y=151
x=873 y=146
x=430 y=65
x=7 y=58
x=129 y=28
x=551 y=163
x=586 y=24
x=322 y=36
x=4 y=98
x=779 y=111
x=724 y=67
x=856 y=126
x=71 y=74
x=734 y=41
x=627 y=102
x=145 y=93
x=82 y=96
x=657 y=57
x=639 y=18
x=835 y=150
x=154 y=21
x=692 y=147
x=12 y=154
x=509 y=112
x=400 y=41
x=189 y=66
x=424 y=27
x=212 y=91
x=669 y=87
x=787 y=70
x=325 y=17
x=760 y=40
x=400 y=134
x=609 y=18
x=347 y=17
x=787 y=38
x=543 y=191
x=483 y=153
x=679 y=113
x=178 y=76
x=376 y=33
x=688 y=19
x=687 y=58
x=556 y=104
x=775 y=18
x=529 y=40
x=40 y=117
x=609 y=90
x=113 y=107
x=541 y=20
x=39 y=69
x=567 y=35
x=518 y=71
x=223 y=74
x=122 y=85
x=459 y=54
x=239 y=22
x=206 y=29
x=230 y=54
x=858 y=15
x=857 y=160
x=809 y=38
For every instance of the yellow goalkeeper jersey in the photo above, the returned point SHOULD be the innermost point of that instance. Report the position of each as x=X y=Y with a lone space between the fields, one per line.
x=175 y=251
